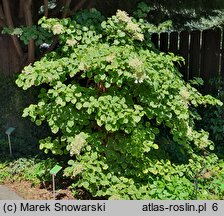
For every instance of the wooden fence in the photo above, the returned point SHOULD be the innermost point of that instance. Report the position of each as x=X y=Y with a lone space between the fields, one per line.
x=203 y=52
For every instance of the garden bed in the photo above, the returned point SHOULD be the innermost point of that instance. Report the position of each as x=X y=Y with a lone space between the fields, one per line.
x=26 y=190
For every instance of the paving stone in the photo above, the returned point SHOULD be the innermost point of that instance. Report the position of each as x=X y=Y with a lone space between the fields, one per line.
x=7 y=194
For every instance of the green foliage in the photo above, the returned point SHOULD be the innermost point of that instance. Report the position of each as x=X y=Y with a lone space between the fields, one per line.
x=142 y=10
x=42 y=170
x=21 y=169
x=212 y=117
x=26 y=33
x=119 y=109
x=199 y=15
x=210 y=183
x=208 y=22
x=13 y=101
x=3 y=174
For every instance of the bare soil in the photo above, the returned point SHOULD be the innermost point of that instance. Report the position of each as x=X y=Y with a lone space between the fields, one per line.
x=26 y=190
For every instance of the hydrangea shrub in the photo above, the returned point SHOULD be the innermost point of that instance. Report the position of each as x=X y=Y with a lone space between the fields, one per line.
x=119 y=108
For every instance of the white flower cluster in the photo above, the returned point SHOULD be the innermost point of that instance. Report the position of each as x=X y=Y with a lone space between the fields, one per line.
x=82 y=66
x=71 y=42
x=140 y=76
x=110 y=57
x=131 y=26
x=139 y=36
x=123 y=16
x=184 y=93
x=138 y=81
x=58 y=29
x=77 y=169
x=189 y=131
x=136 y=64
x=77 y=144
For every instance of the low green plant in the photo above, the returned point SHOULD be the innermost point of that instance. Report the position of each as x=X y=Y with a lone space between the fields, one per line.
x=119 y=109
x=210 y=183
x=17 y=170
x=3 y=173
x=42 y=170
x=34 y=170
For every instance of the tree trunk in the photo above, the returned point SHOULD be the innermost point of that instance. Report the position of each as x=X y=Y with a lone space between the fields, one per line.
x=11 y=55
x=46 y=8
x=27 y=5
x=9 y=22
x=14 y=13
